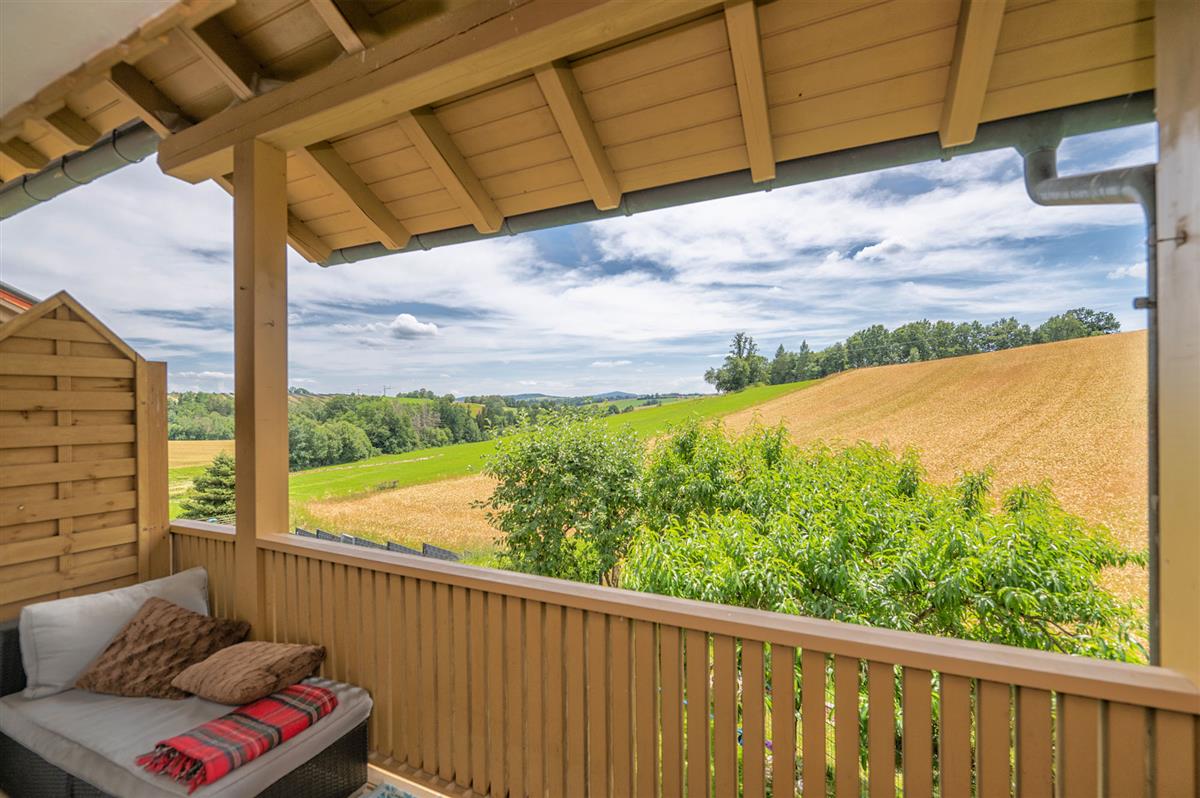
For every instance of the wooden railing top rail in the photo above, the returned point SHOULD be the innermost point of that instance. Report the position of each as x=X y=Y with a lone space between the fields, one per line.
x=1114 y=681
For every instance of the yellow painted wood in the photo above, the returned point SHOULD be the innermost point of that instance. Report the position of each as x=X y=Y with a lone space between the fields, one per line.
x=917 y=748
x=479 y=685
x=554 y=701
x=228 y=59
x=725 y=716
x=324 y=161
x=566 y=103
x=753 y=720
x=428 y=669
x=974 y=49
x=351 y=39
x=497 y=749
x=153 y=506
x=260 y=356
x=741 y=21
x=72 y=128
x=993 y=719
x=954 y=738
x=514 y=695
x=1078 y=747
x=146 y=101
x=881 y=729
x=23 y=154
x=697 y=713
x=1177 y=104
x=461 y=694
x=575 y=701
x=441 y=154
x=65 y=365
x=846 y=741
x=1175 y=754
x=535 y=748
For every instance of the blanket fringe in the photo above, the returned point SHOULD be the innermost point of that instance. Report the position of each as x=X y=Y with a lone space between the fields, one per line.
x=179 y=766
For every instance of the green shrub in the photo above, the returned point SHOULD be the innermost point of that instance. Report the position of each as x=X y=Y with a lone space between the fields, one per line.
x=212 y=494
x=858 y=535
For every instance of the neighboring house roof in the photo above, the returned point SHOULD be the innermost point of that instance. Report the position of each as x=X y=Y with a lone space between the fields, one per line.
x=15 y=299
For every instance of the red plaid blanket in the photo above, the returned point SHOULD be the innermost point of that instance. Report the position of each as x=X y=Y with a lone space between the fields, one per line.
x=209 y=751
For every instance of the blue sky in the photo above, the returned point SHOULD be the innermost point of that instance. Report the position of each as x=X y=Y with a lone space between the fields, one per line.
x=642 y=303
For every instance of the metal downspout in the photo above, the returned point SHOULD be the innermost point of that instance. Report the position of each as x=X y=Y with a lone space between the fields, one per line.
x=1132 y=185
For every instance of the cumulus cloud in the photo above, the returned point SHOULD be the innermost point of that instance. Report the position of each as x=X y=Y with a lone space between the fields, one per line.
x=1134 y=270
x=404 y=327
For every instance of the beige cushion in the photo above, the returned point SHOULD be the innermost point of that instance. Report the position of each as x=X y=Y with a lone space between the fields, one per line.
x=249 y=671
x=161 y=641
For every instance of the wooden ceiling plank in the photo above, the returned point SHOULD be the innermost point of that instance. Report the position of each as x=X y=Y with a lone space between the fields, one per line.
x=459 y=51
x=72 y=128
x=745 y=45
x=22 y=153
x=443 y=157
x=323 y=160
x=575 y=122
x=151 y=105
x=300 y=236
x=979 y=25
x=351 y=25
x=217 y=47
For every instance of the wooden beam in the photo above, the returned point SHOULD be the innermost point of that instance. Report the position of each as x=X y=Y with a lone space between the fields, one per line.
x=22 y=153
x=71 y=127
x=741 y=23
x=260 y=361
x=562 y=94
x=329 y=167
x=151 y=105
x=301 y=237
x=457 y=51
x=351 y=25
x=448 y=164
x=152 y=507
x=974 y=49
x=217 y=47
x=1177 y=101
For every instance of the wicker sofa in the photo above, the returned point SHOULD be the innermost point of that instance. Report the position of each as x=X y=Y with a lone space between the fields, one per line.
x=42 y=759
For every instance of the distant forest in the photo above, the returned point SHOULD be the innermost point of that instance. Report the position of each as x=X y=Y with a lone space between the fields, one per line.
x=908 y=343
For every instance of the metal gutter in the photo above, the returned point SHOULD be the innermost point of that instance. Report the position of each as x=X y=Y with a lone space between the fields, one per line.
x=119 y=148
x=1134 y=185
x=1071 y=121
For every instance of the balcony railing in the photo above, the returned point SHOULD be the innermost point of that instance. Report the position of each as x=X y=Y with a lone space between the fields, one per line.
x=495 y=683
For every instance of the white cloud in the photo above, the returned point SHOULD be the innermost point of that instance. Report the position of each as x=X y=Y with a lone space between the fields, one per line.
x=209 y=375
x=1134 y=270
x=608 y=364
x=406 y=327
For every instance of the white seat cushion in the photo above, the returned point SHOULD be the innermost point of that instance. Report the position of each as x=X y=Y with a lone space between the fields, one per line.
x=97 y=738
x=60 y=638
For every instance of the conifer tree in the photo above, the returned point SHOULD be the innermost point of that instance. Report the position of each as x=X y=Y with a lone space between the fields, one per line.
x=212 y=494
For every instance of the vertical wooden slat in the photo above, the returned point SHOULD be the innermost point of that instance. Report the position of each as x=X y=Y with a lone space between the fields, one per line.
x=291 y=584
x=954 y=739
x=1125 y=751
x=847 y=783
x=672 y=711
x=534 y=714
x=412 y=682
x=645 y=680
x=328 y=638
x=917 y=753
x=993 y=746
x=753 y=729
x=622 y=710
x=276 y=610
x=353 y=624
x=725 y=769
x=400 y=650
x=461 y=739
x=1078 y=748
x=881 y=729
x=555 y=705
x=429 y=702
x=696 y=651
x=1035 y=778
x=383 y=631
x=514 y=698
x=597 y=702
x=495 y=693
x=368 y=639
x=479 y=707
x=1175 y=754
x=576 y=717
x=445 y=685
x=783 y=720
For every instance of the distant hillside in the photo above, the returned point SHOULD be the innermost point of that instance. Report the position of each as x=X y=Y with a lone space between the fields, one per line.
x=1072 y=412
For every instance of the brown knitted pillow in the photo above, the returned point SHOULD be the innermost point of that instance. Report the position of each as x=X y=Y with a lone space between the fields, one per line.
x=249 y=671
x=161 y=640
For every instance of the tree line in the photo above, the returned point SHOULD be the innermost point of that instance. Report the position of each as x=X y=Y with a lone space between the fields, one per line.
x=909 y=343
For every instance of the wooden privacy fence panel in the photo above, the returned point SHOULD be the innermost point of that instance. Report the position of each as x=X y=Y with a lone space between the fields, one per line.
x=83 y=460
x=502 y=684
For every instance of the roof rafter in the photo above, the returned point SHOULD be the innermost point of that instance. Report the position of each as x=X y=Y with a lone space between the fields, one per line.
x=153 y=107
x=562 y=94
x=217 y=47
x=23 y=154
x=300 y=236
x=71 y=127
x=330 y=167
x=974 y=49
x=741 y=23
x=451 y=168
x=351 y=25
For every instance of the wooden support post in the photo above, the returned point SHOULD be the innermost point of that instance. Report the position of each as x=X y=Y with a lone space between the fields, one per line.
x=260 y=362
x=1177 y=96
x=974 y=49
x=741 y=23
x=154 y=559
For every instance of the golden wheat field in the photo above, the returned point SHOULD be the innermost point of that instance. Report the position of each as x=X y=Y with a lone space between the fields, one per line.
x=182 y=454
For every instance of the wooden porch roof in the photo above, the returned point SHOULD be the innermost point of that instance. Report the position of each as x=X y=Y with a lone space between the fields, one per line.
x=404 y=117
